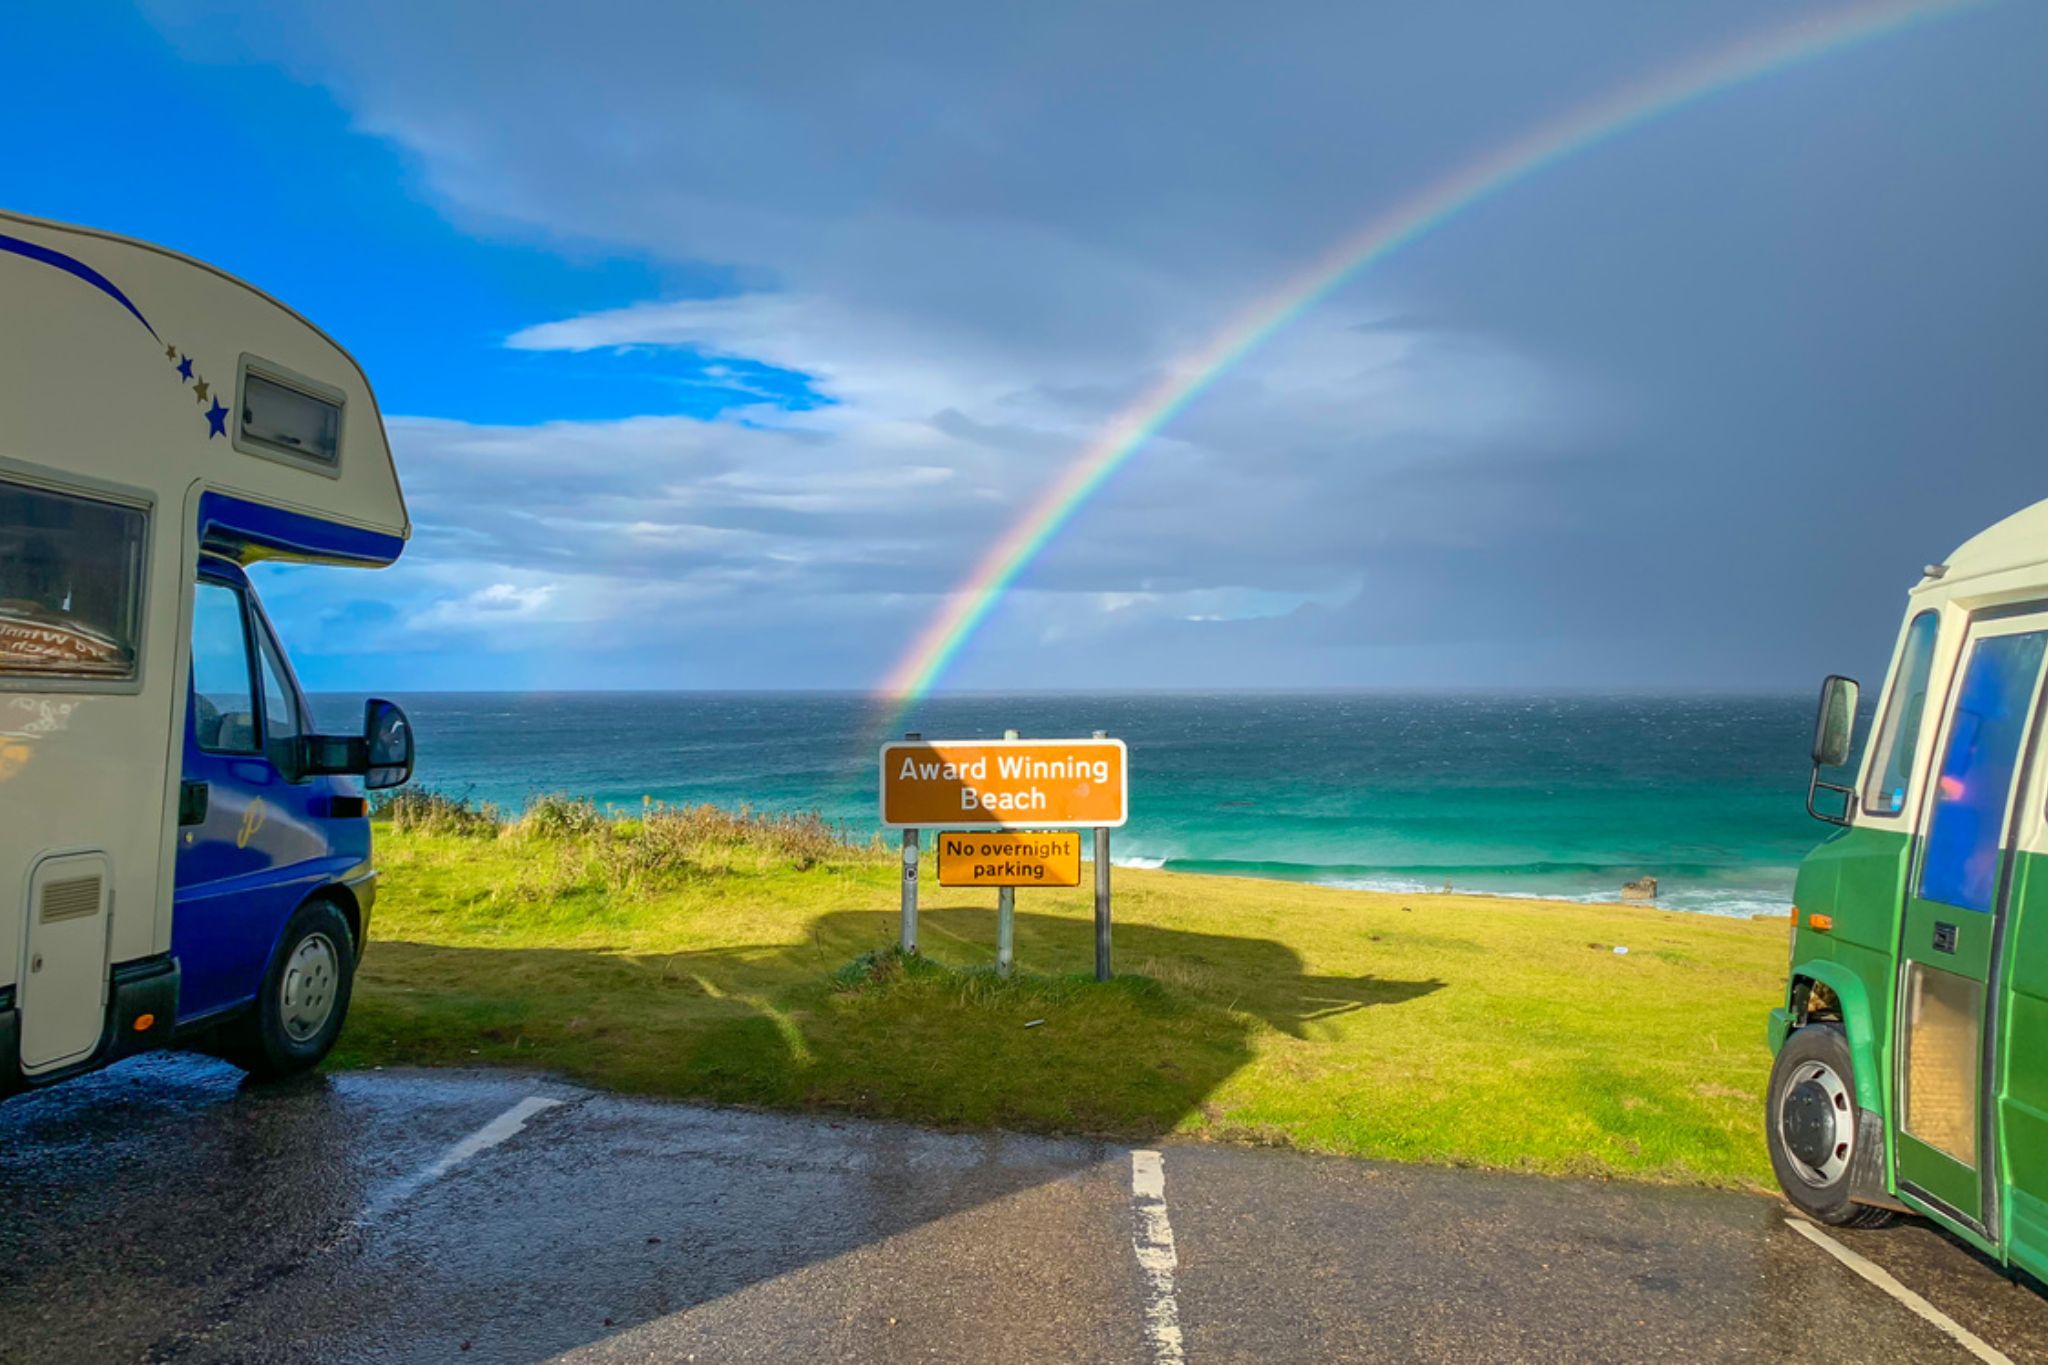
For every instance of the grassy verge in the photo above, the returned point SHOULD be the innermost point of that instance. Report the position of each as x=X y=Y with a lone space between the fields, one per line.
x=736 y=959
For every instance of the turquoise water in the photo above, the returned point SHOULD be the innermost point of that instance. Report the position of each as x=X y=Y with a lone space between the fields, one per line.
x=1525 y=795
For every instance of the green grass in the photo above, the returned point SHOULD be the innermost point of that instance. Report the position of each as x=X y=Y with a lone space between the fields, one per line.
x=732 y=959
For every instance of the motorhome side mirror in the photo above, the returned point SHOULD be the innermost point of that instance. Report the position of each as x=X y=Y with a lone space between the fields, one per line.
x=1834 y=726
x=387 y=745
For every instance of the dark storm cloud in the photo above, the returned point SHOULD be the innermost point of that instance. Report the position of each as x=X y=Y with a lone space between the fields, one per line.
x=1690 y=409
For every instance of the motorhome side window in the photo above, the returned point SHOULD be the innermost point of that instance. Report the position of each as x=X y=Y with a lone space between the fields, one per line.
x=1891 y=757
x=288 y=420
x=280 y=712
x=70 y=585
x=223 y=696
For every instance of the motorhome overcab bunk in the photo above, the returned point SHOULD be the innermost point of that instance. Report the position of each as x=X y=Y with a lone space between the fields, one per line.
x=1912 y=1043
x=183 y=859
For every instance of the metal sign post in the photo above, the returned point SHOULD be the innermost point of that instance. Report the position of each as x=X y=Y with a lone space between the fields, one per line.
x=1101 y=895
x=1006 y=918
x=908 y=939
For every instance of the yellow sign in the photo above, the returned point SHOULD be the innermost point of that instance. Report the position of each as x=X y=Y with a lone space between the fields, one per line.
x=1010 y=858
x=1004 y=783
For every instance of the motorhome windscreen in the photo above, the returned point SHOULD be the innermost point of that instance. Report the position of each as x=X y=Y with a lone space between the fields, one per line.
x=70 y=585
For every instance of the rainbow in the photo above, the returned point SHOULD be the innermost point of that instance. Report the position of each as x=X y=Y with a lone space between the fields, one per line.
x=969 y=604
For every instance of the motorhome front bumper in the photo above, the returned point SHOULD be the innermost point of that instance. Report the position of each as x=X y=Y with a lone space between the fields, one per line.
x=142 y=1007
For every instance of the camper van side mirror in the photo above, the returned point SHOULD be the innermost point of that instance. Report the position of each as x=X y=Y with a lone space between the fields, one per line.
x=1834 y=726
x=381 y=756
x=1834 y=730
x=387 y=745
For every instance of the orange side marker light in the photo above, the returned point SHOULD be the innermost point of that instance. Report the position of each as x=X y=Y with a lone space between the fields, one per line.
x=1820 y=922
x=144 y=1022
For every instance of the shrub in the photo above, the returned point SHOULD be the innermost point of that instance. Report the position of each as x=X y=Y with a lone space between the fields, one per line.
x=422 y=810
x=561 y=817
x=676 y=834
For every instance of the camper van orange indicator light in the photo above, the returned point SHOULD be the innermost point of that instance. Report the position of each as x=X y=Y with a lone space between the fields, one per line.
x=144 y=1022
x=1820 y=922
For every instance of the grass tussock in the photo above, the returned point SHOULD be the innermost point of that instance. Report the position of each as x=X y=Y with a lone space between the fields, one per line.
x=421 y=810
x=749 y=958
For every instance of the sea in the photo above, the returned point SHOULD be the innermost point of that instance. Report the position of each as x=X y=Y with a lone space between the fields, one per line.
x=1554 y=796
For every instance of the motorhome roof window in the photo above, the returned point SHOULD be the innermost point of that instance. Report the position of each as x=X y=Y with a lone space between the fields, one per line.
x=281 y=417
x=70 y=585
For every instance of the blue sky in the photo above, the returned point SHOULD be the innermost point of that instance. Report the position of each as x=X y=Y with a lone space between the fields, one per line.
x=158 y=141
x=715 y=343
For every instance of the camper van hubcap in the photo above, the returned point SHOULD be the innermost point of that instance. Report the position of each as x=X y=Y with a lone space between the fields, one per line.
x=306 y=997
x=1817 y=1124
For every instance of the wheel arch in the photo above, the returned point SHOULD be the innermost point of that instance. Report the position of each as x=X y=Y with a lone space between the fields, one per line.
x=343 y=898
x=1852 y=1001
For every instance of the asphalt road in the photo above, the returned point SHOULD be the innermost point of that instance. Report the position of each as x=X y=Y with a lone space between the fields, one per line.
x=163 y=1211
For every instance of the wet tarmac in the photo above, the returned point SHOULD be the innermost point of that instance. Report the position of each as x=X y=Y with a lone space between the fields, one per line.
x=165 y=1212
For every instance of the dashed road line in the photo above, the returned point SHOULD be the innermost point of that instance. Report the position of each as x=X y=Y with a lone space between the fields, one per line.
x=1152 y=1239
x=1889 y=1283
x=482 y=1140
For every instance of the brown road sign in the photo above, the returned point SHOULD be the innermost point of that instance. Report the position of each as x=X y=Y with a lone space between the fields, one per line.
x=1010 y=858
x=1004 y=783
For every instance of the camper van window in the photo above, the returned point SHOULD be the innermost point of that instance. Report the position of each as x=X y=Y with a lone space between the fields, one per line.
x=223 y=704
x=70 y=585
x=280 y=716
x=1891 y=755
x=285 y=419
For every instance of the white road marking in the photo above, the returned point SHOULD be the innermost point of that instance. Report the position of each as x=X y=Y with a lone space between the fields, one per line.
x=1152 y=1239
x=482 y=1140
x=1889 y=1283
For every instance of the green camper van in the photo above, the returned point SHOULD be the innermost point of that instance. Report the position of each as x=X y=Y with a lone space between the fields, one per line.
x=1911 y=1046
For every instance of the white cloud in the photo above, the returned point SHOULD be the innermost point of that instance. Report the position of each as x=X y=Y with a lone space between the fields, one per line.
x=491 y=608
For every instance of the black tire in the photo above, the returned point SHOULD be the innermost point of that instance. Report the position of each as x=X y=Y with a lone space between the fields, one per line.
x=313 y=967
x=1813 y=1086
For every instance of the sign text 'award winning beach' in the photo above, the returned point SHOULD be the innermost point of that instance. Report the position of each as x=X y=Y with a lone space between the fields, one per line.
x=1010 y=858
x=1004 y=784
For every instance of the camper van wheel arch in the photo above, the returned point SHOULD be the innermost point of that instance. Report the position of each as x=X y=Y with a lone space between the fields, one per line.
x=1812 y=1126
x=299 y=1011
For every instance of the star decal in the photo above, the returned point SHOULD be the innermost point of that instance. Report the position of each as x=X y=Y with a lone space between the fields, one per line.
x=171 y=354
x=185 y=368
x=199 y=392
x=216 y=420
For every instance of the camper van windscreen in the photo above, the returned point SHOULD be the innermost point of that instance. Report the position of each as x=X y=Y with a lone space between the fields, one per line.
x=70 y=585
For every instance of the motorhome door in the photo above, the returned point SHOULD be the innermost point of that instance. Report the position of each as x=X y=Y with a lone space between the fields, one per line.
x=1955 y=910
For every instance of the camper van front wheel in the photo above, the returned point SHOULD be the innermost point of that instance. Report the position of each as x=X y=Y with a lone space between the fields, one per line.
x=1811 y=1125
x=304 y=999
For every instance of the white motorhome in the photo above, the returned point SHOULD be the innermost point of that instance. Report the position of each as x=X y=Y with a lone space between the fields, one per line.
x=182 y=857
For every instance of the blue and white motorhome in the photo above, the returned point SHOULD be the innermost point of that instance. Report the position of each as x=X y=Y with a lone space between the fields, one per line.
x=184 y=858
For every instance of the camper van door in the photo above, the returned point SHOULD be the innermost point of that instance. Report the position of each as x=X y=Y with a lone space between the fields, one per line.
x=253 y=853
x=1954 y=919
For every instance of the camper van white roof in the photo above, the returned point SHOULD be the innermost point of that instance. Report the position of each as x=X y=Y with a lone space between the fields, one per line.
x=129 y=366
x=2017 y=542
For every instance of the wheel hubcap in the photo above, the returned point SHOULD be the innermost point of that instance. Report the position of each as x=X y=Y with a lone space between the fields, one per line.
x=1817 y=1124
x=306 y=997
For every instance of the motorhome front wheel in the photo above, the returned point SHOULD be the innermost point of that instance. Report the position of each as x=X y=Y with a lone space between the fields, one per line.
x=305 y=996
x=1812 y=1127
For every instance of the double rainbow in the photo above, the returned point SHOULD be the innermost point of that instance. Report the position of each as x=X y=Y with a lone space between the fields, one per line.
x=969 y=604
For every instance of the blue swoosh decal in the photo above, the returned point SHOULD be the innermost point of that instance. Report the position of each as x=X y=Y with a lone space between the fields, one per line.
x=73 y=266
